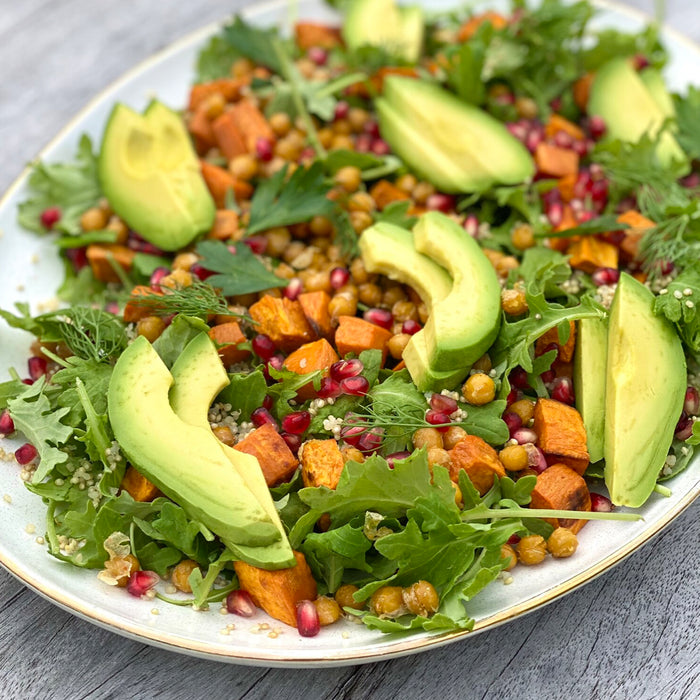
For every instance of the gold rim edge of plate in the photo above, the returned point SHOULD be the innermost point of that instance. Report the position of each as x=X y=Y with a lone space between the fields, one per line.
x=410 y=644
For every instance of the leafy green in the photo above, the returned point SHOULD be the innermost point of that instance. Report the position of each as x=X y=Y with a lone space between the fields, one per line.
x=345 y=235
x=286 y=386
x=397 y=213
x=173 y=340
x=199 y=299
x=679 y=304
x=99 y=374
x=687 y=110
x=342 y=158
x=252 y=42
x=215 y=59
x=245 y=392
x=81 y=287
x=612 y=43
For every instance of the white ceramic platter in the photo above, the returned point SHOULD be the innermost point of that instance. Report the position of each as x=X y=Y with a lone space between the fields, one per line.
x=31 y=271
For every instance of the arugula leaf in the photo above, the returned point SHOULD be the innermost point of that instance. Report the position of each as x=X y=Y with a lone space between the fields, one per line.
x=72 y=187
x=9 y=390
x=239 y=272
x=341 y=158
x=687 y=110
x=464 y=74
x=245 y=392
x=96 y=389
x=215 y=59
x=81 y=287
x=285 y=388
x=281 y=202
x=679 y=304
x=397 y=213
x=153 y=557
x=612 y=43
x=253 y=42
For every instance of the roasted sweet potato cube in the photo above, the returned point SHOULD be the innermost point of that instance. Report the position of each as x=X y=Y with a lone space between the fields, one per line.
x=560 y=434
x=555 y=161
x=638 y=225
x=228 y=336
x=226 y=225
x=566 y=185
x=104 y=256
x=558 y=123
x=385 y=192
x=251 y=123
x=220 y=181
x=560 y=488
x=276 y=459
x=478 y=459
x=137 y=307
x=309 y=358
x=228 y=88
x=582 y=89
x=568 y=220
x=470 y=27
x=321 y=463
x=551 y=337
x=309 y=34
x=228 y=136
x=283 y=320
x=355 y=335
x=315 y=307
x=278 y=592
x=590 y=253
x=200 y=128
x=138 y=486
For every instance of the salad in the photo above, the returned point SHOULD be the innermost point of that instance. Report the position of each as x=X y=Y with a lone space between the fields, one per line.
x=388 y=309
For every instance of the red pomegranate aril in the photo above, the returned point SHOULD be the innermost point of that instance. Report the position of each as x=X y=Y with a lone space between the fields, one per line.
x=28 y=382
x=78 y=258
x=410 y=327
x=342 y=110
x=585 y=215
x=533 y=140
x=548 y=376
x=354 y=386
x=293 y=442
x=268 y=402
x=523 y=436
x=684 y=427
x=518 y=378
x=440 y=202
x=555 y=214
x=293 y=289
x=438 y=419
x=605 y=276
x=37 y=367
x=240 y=603
x=50 y=217
x=371 y=128
x=308 y=623
x=26 y=453
x=563 y=140
x=552 y=196
x=691 y=405
x=141 y=245
x=563 y=390
x=597 y=126
x=142 y=581
x=691 y=181
x=343 y=369
x=264 y=149
x=261 y=416
x=580 y=147
x=328 y=389
x=370 y=440
x=363 y=143
x=200 y=272
x=318 y=55
x=352 y=434
x=379 y=317
x=548 y=348
x=536 y=459
x=340 y=276
x=513 y=421
x=7 y=425
x=396 y=456
x=513 y=396
x=471 y=225
x=599 y=191
x=276 y=362
x=257 y=244
x=600 y=503
x=156 y=277
x=112 y=307
x=380 y=147
x=640 y=61
x=513 y=539
x=297 y=422
x=443 y=404
x=263 y=346
x=518 y=130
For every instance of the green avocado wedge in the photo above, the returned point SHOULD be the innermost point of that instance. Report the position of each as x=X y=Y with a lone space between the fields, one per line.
x=644 y=394
x=184 y=461
x=151 y=177
x=199 y=376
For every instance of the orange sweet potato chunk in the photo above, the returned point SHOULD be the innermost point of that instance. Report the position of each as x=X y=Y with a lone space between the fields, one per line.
x=251 y=123
x=226 y=225
x=310 y=34
x=102 y=257
x=200 y=128
x=309 y=358
x=276 y=459
x=138 y=486
x=561 y=488
x=220 y=181
x=478 y=459
x=590 y=253
x=470 y=27
x=555 y=161
x=385 y=192
x=638 y=224
x=228 y=336
x=321 y=463
x=566 y=351
x=228 y=88
x=582 y=90
x=278 y=592
x=137 y=308
x=228 y=136
x=558 y=123
x=315 y=307
x=560 y=434
x=283 y=320
x=568 y=221
x=355 y=335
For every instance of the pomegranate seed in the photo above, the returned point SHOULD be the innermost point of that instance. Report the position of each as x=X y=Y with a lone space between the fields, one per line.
x=505 y=98
x=549 y=348
x=275 y=362
x=354 y=386
x=352 y=434
x=597 y=127
x=518 y=130
x=379 y=317
x=363 y=143
x=26 y=453
x=440 y=202
x=293 y=289
x=28 y=382
x=523 y=436
x=533 y=140
x=563 y=140
x=471 y=225
x=513 y=539
x=397 y=456
x=318 y=55
x=691 y=181
x=37 y=367
x=555 y=214
x=548 y=376
x=640 y=62
x=552 y=196
x=141 y=581
x=297 y=422
x=257 y=244
x=684 y=427
x=240 y=603
x=518 y=378
x=583 y=216
x=7 y=425
x=438 y=419
x=199 y=272
x=78 y=258
x=691 y=405
x=666 y=267
x=605 y=276
x=261 y=416
x=141 y=245
x=600 y=503
x=410 y=327
x=156 y=277
x=342 y=110
x=293 y=442
x=536 y=459
x=580 y=147
x=307 y=619
x=263 y=346
x=513 y=396
x=268 y=402
x=307 y=154
x=328 y=389
x=599 y=192
x=264 y=149
x=343 y=369
x=111 y=307
x=563 y=390
x=50 y=217
x=340 y=276
x=555 y=104
x=370 y=440
x=380 y=147
x=513 y=421
x=443 y=404
x=371 y=128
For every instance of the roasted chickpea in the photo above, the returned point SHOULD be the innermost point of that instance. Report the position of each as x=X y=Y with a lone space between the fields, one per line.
x=406 y=183
x=360 y=221
x=369 y=294
x=181 y=573
x=513 y=301
x=423 y=313
x=483 y=364
x=224 y=434
x=479 y=389
x=184 y=261
x=94 y=219
x=326 y=136
x=357 y=118
x=321 y=226
x=427 y=437
x=438 y=456
x=121 y=568
x=119 y=227
x=277 y=241
x=387 y=601
x=526 y=107
x=562 y=543
x=452 y=436
x=342 y=305
x=342 y=127
x=522 y=236
x=525 y=408
x=352 y=454
x=422 y=191
x=328 y=610
x=242 y=67
x=214 y=105
x=244 y=167
x=317 y=282
x=421 y=598
x=150 y=327
x=393 y=294
x=506 y=264
x=513 y=458
x=293 y=251
x=358 y=272
x=508 y=556
x=280 y=123
x=177 y=279
x=361 y=201
x=288 y=149
x=532 y=549
x=344 y=597
x=404 y=310
x=397 y=344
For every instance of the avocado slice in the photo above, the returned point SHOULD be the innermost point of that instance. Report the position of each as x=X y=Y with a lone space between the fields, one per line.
x=199 y=376
x=423 y=374
x=184 y=461
x=620 y=96
x=385 y=24
x=150 y=175
x=454 y=145
x=461 y=326
x=654 y=83
x=645 y=389
x=590 y=360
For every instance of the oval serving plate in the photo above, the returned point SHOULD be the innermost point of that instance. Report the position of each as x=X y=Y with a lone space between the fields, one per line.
x=34 y=276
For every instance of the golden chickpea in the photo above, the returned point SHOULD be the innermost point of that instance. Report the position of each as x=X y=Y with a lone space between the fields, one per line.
x=321 y=226
x=525 y=408
x=357 y=118
x=341 y=142
x=224 y=434
x=421 y=598
x=526 y=107
x=508 y=555
x=317 y=282
x=349 y=178
x=214 y=105
x=242 y=67
x=184 y=261
x=358 y=272
x=513 y=301
x=361 y=201
x=277 y=241
x=513 y=458
x=423 y=313
x=393 y=294
x=360 y=221
x=387 y=601
x=150 y=327
x=244 y=167
x=532 y=549
x=439 y=456
x=94 y=219
x=459 y=499
x=483 y=364
x=342 y=127
x=334 y=253
x=522 y=236
x=177 y=279
x=306 y=67
x=288 y=149
x=341 y=305
x=280 y=123
x=293 y=251
x=348 y=290
x=422 y=191
x=328 y=610
x=121 y=568
x=275 y=165
x=406 y=183
x=344 y=597
x=562 y=543
x=119 y=227
x=452 y=436
x=404 y=311
x=245 y=299
x=479 y=389
x=506 y=264
x=427 y=437
x=352 y=454
x=397 y=344
x=181 y=573
x=286 y=272
x=325 y=136
x=369 y=294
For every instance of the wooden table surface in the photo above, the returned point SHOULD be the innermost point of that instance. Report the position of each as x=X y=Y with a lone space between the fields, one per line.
x=632 y=633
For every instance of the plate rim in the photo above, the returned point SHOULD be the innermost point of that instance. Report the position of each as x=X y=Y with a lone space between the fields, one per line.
x=260 y=657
